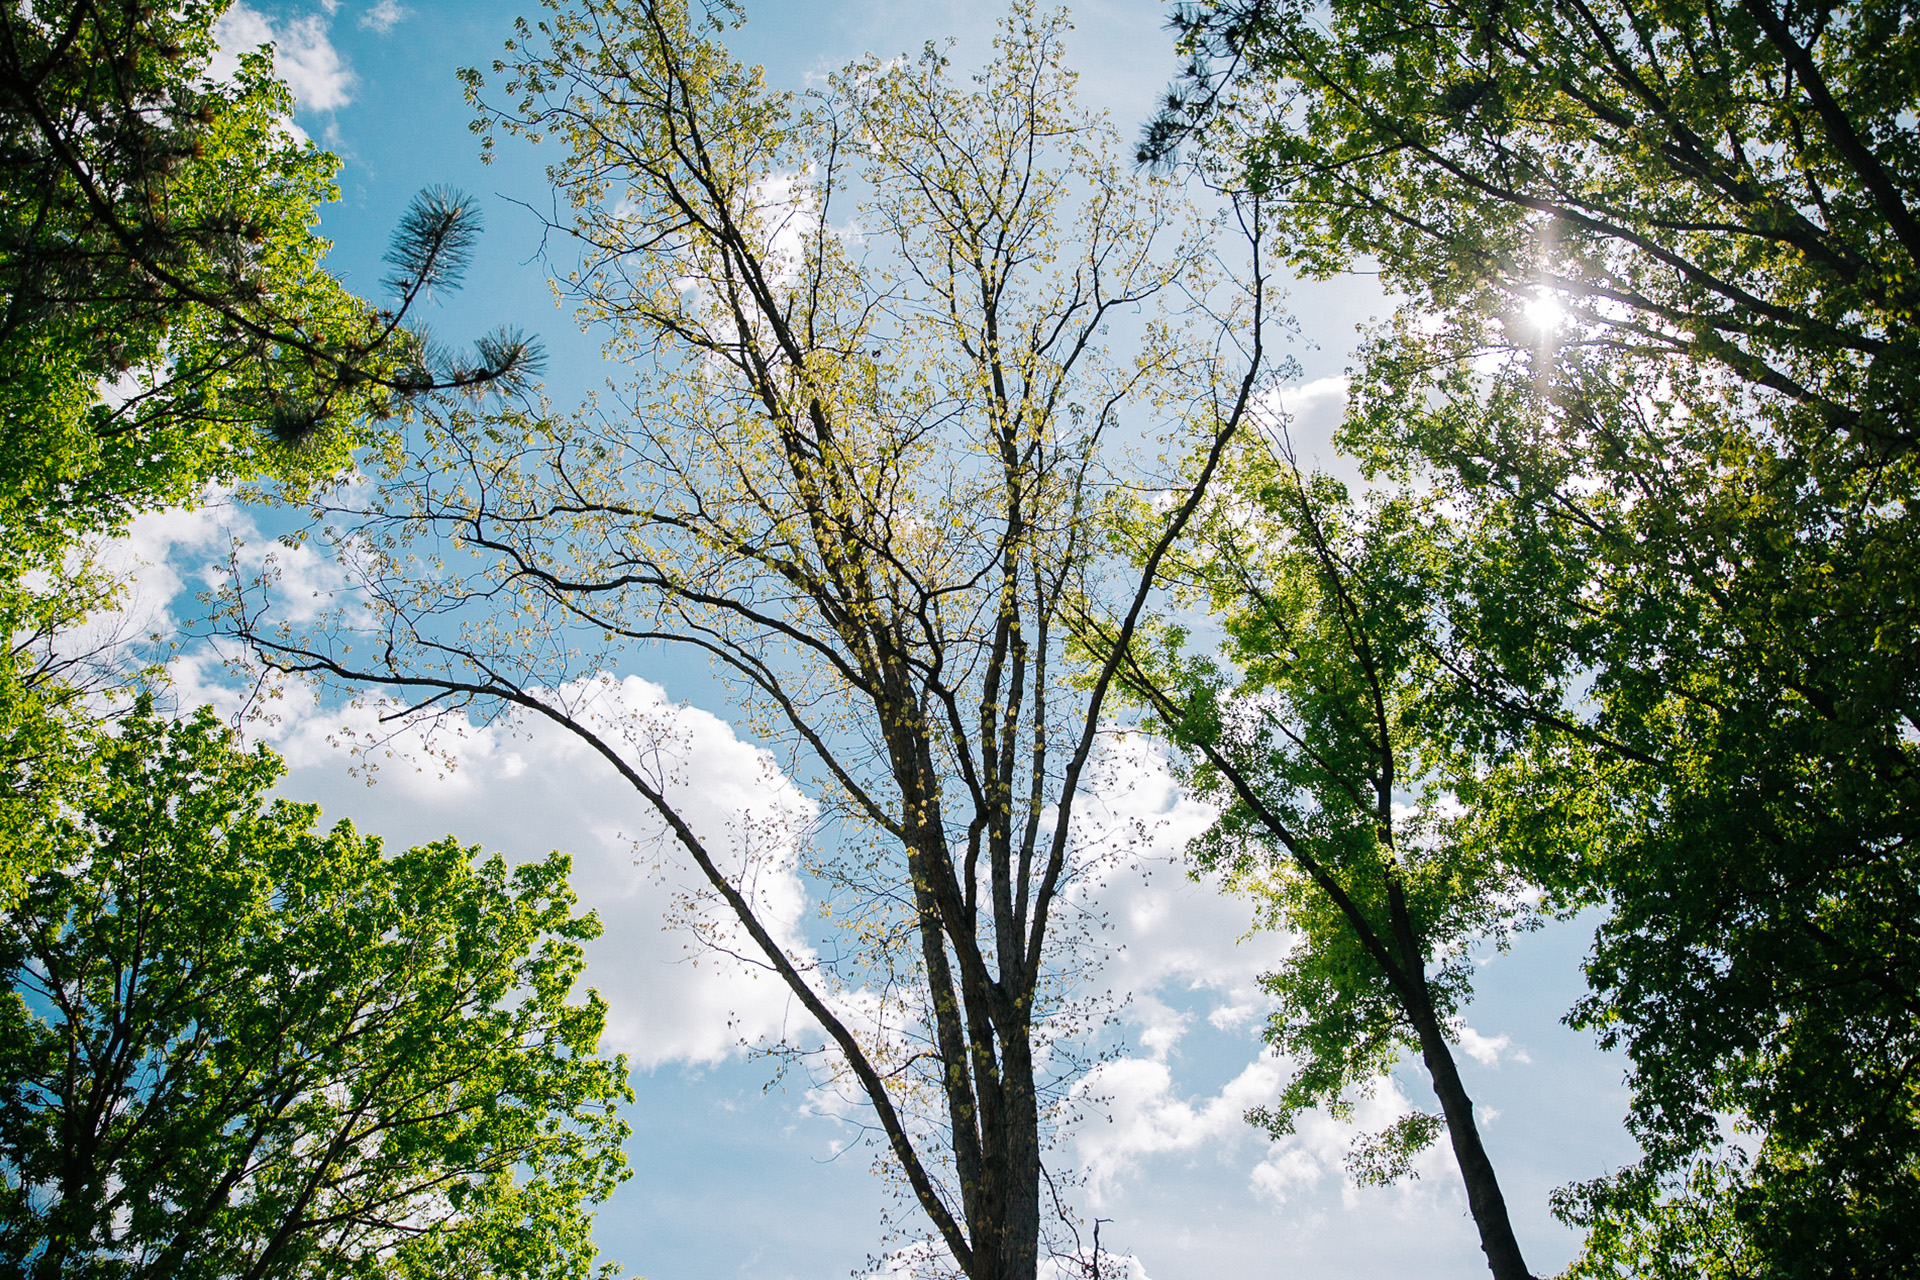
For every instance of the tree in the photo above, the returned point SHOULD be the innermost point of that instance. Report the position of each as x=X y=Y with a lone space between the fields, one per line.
x=167 y=320
x=1729 y=184
x=1658 y=354
x=856 y=465
x=1337 y=748
x=235 y=1046
x=159 y=227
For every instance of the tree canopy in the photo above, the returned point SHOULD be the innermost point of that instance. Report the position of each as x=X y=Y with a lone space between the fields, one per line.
x=239 y=1046
x=1656 y=356
x=168 y=322
x=857 y=466
x=1729 y=184
x=232 y=1045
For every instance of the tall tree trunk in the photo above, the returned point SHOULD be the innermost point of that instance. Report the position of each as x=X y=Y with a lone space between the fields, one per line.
x=1004 y=1225
x=1484 y=1199
x=1017 y=1248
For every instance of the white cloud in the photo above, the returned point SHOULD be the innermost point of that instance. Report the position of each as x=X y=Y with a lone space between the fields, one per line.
x=165 y=555
x=241 y=29
x=1134 y=1112
x=1314 y=411
x=312 y=68
x=1184 y=955
x=1231 y=1017
x=303 y=55
x=1286 y=1172
x=1178 y=952
x=384 y=17
x=160 y=564
x=1318 y=1146
x=1487 y=1050
x=526 y=787
x=145 y=561
x=1172 y=941
x=523 y=788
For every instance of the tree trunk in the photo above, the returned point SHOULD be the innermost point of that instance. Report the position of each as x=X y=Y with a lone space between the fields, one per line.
x=1484 y=1200
x=1015 y=1250
x=1488 y=1206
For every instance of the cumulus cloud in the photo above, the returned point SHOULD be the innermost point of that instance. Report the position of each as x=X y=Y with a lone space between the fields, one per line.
x=1487 y=1050
x=1179 y=954
x=166 y=559
x=384 y=17
x=666 y=963
x=1316 y=1151
x=1142 y=1115
x=303 y=54
x=1312 y=412
x=1136 y=1112
x=152 y=578
x=666 y=960
x=1185 y=957
x=1174 y=947
x=159 y=567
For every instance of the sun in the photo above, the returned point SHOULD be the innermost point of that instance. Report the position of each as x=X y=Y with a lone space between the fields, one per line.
x=1545 y=312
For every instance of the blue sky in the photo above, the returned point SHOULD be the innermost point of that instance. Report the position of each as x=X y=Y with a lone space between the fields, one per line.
x=735 y=1178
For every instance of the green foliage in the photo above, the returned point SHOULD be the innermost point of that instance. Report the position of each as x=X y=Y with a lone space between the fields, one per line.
x=1734 y=784
x=1658 y=364
x=156 y=229
x=164 y=311
x=1385 y=1158
x=1731 y=183
x=232 y=1045
x=235 y=1045
x=1341 y=750
x=167 y=322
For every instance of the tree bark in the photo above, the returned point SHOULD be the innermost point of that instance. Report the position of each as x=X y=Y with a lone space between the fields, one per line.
x=1484 y=1199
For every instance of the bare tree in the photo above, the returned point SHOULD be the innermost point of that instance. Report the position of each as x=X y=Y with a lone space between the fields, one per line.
x=858 y=462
